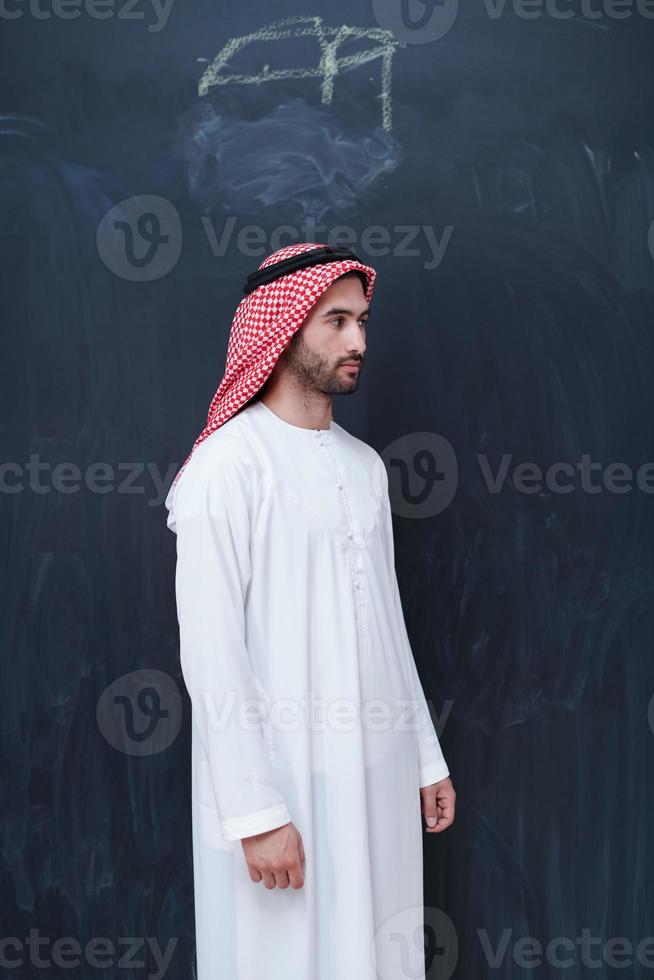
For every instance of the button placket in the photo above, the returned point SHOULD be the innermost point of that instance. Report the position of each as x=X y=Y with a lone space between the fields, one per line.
x=354 y=558
x=354 y=554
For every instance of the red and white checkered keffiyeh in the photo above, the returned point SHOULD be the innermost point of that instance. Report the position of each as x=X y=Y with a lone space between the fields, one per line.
x=263 y=325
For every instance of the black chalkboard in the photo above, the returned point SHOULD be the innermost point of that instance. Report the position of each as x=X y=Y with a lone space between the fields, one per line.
x=494 y=162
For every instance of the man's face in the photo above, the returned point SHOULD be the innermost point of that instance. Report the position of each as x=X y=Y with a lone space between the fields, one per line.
x=326 y=353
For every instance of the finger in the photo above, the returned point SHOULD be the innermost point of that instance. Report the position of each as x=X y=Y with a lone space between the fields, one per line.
x=301 y=847
x=268 y=879
x=443 y=824
x=445 y=817
x=255 y=874
x=429 y=808
x=281 y=877
x=446 y=806
x=445 y=799
x=296 y=876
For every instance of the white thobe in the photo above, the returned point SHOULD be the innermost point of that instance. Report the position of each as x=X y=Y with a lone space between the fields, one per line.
x=306 y=704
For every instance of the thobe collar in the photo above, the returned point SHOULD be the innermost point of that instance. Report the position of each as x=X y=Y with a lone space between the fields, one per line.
x=298 y=431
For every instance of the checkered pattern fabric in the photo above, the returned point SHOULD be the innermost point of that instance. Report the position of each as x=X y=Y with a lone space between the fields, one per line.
x=263 y=325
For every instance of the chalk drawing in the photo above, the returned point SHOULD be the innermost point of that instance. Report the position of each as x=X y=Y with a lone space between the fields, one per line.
x=329 y=65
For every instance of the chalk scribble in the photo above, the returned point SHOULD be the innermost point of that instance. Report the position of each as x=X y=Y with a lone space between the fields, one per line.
x=329 y=66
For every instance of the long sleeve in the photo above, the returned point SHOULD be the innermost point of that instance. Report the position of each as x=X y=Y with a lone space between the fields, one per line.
x=431 y=762
x=214 y=506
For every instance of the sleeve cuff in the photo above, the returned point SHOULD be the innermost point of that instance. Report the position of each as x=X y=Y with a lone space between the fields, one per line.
x=255 y=823
x=431 y=774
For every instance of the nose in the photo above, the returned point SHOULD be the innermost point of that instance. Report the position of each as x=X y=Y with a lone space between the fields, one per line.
x=356 y=341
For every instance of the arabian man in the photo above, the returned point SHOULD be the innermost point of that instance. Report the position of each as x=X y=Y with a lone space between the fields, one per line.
x=313 y=751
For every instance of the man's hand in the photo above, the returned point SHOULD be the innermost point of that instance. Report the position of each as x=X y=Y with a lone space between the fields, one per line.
x=276 y=857
x=438 y=805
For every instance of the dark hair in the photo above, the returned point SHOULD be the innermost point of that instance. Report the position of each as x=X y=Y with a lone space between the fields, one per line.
x=357 y=272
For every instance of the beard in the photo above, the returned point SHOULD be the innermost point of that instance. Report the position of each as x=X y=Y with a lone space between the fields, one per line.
x=312 y=372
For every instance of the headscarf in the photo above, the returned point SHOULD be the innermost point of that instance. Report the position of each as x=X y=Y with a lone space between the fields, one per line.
x=266 y=319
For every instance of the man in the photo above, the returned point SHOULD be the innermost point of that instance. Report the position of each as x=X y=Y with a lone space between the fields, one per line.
x=312 y=745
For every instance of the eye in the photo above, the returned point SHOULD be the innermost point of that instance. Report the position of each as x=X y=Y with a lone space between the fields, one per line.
x=338 y=321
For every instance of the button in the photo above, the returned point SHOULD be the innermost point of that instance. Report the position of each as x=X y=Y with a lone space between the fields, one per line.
x=340 y=486
x=349 y=534
x=356 y=585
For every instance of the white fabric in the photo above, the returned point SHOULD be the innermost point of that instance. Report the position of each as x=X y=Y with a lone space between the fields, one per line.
x=286 y=589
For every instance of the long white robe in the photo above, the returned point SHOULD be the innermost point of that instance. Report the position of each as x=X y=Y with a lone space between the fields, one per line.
x=288 y=607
